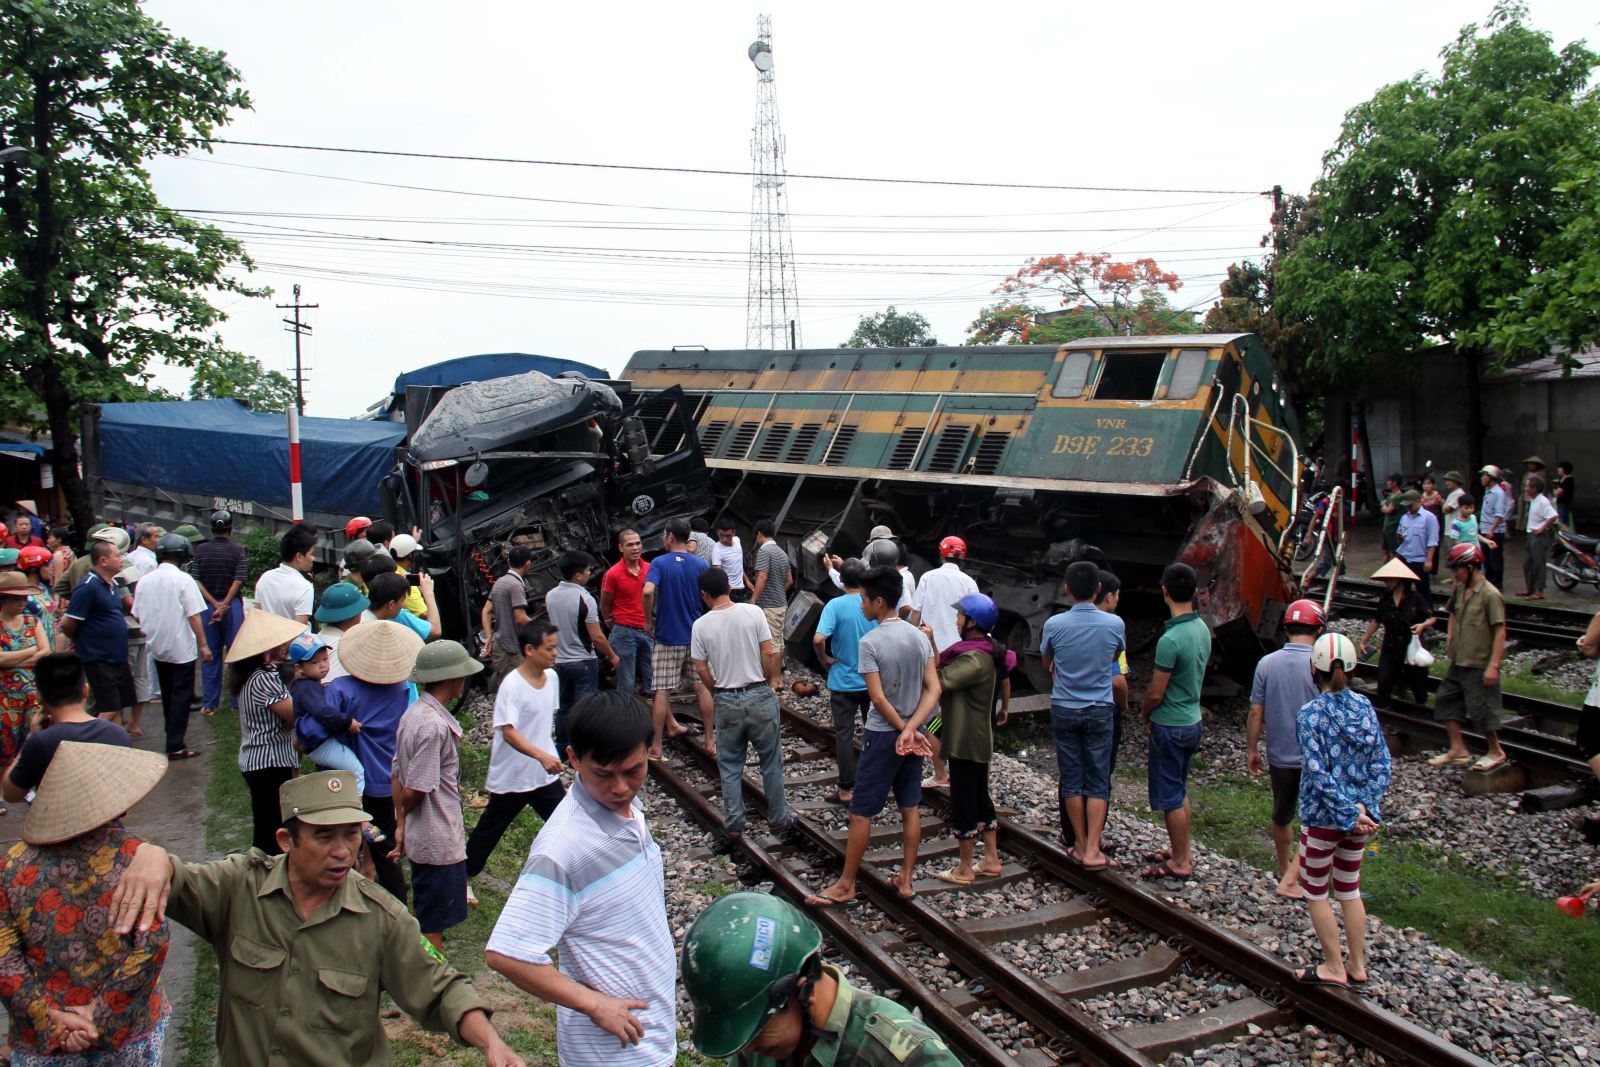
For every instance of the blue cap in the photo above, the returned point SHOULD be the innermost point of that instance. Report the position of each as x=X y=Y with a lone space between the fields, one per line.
x=341 y=601
x=302 y=648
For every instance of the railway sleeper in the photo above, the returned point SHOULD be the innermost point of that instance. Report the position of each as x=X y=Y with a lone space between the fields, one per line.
x=1156 y=963
x=1056 y=918
x=1212 y=1027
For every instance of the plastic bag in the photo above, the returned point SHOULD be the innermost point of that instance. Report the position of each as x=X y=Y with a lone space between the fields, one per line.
x=1417 y=654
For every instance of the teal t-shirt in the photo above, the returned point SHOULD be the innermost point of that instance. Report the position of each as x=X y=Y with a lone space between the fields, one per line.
x=1183 y=652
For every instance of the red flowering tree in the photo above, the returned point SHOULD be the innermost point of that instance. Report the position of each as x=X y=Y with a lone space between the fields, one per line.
x=1100 y=295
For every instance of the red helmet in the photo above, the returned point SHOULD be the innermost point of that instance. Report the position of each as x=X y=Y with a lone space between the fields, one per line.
x=953 y=546
x=1465 y=555
x=356 y=525
x=32 y=556
x=1303 y=613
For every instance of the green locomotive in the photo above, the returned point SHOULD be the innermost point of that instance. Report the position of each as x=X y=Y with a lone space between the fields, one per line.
x=1134 y=450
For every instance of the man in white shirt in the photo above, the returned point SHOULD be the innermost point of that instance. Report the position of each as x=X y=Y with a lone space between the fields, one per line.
x=738 y=659
x=144 y=554
x=171 y=611
x=524 y=770
x=1542 y=519
x=940 y=590
x=286 y=590
x=728 y=554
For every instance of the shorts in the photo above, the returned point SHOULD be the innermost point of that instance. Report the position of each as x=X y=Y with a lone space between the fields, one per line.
x=881 y=769
x=1285 y=794
x=775 y=620
x=110 y=685
x=1328 y=853
x=439 y=895
x=1171 y=749
x=671 y=668
x=139 y=666
x=1589 y=732
x=1462 y=697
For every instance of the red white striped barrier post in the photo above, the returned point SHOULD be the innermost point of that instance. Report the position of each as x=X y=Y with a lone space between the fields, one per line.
x=296 y=506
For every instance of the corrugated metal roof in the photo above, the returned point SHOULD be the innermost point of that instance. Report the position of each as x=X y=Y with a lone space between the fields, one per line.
x=1169 y=340
x=1550 y=368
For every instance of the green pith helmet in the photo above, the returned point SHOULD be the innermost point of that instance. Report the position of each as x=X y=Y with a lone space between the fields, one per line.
x=739 y=964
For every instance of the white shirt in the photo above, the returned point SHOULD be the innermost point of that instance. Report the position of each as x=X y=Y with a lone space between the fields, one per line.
x=533 y=713
x=164 y=601
x=145 y=560
x=935 y=598
x=594 y=887
x=731 y=559
x=1451 y=503
x=284 y=591
x=729 y=641
x=1540 y=511
x=329 y=635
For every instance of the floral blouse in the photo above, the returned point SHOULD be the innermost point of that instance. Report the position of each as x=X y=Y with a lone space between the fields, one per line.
x=58 y=948
x=1345 y=760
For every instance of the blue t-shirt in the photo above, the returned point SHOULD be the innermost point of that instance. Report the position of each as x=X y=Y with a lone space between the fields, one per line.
x=1084 y=643
x=379 y=709
x=842 y=620
x=1282 y=686
x=676 y=576
x=102 y=635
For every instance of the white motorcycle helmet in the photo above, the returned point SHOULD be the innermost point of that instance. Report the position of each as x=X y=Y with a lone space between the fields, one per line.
x=1333 y=650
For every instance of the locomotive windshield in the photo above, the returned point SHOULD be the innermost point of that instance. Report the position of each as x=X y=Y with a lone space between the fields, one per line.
x=1129 y=375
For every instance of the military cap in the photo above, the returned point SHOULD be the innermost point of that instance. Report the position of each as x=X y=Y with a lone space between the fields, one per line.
x=441 y=661
x=191 y=531
x=1410 y=496
x=327 y=798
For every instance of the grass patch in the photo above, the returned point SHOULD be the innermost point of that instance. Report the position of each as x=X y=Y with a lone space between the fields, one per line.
x=1490 y=919
x=1522 y=682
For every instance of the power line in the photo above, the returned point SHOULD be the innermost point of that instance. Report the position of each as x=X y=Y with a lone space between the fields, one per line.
x=656 y=169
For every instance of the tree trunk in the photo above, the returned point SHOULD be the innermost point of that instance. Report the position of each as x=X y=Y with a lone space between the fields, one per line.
x=1368 y=480
x=62 y=412
x=1472 y=359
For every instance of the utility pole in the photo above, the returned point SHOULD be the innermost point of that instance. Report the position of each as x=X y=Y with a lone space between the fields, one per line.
x=299 y=329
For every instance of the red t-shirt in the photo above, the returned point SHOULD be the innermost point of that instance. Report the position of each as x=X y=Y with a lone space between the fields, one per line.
x=627 y=593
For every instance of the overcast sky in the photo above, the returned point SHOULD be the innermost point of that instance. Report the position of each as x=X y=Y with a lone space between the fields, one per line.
x=414 y=261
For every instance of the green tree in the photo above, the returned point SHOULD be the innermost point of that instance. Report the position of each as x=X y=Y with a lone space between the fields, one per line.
x=1099 y=296
x=97 y=278
x=1441 y=199
x=892 y=329
x=241 y=377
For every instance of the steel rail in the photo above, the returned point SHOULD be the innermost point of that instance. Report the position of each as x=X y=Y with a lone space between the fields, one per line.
x=1340 y=1009
x=951 y=1025
x=1021 y=993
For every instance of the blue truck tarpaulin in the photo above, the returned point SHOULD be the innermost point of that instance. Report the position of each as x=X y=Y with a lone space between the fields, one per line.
x=482 y=368
x=222 y=448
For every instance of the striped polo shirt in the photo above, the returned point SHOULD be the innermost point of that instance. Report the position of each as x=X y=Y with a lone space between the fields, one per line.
x=594 y=886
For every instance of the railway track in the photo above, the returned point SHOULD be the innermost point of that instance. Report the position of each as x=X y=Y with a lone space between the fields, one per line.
x=1533 y=624
x=893 y=937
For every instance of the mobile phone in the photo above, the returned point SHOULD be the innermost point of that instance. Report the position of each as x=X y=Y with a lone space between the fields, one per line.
x=413 y=577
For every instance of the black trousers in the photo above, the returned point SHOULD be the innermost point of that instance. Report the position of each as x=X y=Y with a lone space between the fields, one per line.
x=1494 y=562
x=390 y=874
x=497 y=818
x=971 y=807
x=1394 y=671
x=843 y=707
x=265 y=816
x=177 y=696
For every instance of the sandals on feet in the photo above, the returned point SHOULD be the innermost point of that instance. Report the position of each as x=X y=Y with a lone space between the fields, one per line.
x=1164 y=870
x=1309 y=976
x=954 y=879
x=1444 y=759
x=1487 y=764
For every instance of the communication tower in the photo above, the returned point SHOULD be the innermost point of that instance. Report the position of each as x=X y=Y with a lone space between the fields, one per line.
x=772 y=301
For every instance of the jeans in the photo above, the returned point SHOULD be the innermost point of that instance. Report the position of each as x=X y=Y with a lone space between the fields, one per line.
x=334 y=755
x=748 y=718
x=177 y=690
x=1083 y=749
x=634 y=651
x=1171 y=749
x=576 y=680
x=844 y=707
x=219 y=636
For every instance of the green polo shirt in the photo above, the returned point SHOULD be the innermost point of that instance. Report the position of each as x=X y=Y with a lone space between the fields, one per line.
x=1183 y=651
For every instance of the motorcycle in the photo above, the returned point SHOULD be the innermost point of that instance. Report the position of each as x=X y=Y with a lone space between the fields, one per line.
x=1573 y=561
x=1305 y=523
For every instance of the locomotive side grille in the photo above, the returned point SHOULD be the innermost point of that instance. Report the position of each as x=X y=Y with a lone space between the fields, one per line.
x=991 y=450
x=949 y=449
x=711 y=436
x=839 y=447
x=742 y=436
x=777 y=437
x=800 y=450
x=905 y=449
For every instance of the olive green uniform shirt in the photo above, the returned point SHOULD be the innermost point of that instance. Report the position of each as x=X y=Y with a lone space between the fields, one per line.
x=865 y=1031
x=305 y=992
x=967 y=707
x=1475 y=613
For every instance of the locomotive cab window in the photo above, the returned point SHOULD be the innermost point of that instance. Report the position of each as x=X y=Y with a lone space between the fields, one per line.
x=1186 y=373
x=1074 y=375
x=1129 y=375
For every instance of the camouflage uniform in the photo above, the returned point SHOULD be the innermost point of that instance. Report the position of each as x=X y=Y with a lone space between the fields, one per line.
x=866 y=1031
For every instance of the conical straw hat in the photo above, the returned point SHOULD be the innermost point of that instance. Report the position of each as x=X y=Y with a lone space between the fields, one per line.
x=380 y=652
x=1395 y=569
x=262 y=632
x=88 y=785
